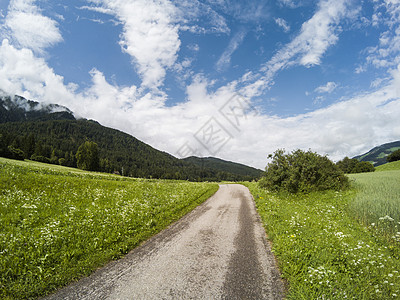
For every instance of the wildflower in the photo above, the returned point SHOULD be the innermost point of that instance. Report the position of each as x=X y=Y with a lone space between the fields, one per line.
x=386 y=218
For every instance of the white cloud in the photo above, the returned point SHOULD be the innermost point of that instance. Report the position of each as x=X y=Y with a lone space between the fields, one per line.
x=291 y=3
x=151 y=31
x=28 y=28
x=360 y=69
x=316 y=35
x=329 y=87
x=346 y=128
x=282 y=23
x=191 y=10
x=318 y=100
x=387 y=53
x=225 y=59
x=307 y=48
x=150 y=35
x=194 y=47
x=23 y=73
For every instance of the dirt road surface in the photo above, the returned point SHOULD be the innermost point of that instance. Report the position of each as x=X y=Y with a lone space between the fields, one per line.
x=218 y=251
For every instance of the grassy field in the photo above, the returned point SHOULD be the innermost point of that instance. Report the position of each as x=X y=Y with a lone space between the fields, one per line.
x=377 y=203
x=388 y=167
x=324 y=251
x=59 y=224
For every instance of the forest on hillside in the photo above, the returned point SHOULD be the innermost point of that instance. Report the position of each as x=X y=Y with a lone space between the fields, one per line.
x=57 y=142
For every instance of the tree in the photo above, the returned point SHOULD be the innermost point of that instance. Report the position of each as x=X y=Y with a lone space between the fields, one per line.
x=394 y=156
x=53 y=158
x=4 y=152
x=29 y=145
x=363 y=167
x=349 y=166
x=70 y=159
x=87 y=156
x=301 y=171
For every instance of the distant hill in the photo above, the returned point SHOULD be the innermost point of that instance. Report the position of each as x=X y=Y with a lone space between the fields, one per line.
x=225 y=166
x=50 y=133
x=377 y=156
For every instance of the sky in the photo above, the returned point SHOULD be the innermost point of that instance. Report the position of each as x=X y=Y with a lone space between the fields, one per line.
x=226 y=78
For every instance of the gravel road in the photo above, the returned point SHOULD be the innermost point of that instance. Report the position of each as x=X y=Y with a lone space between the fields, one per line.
x=218 y=251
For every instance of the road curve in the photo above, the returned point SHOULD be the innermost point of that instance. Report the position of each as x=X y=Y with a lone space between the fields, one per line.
x=218 y=251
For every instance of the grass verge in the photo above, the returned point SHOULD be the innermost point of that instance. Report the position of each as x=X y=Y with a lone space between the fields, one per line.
x=323 y=251
x=59 y=224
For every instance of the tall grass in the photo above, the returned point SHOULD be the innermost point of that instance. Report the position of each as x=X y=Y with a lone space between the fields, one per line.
x=58 y=224
x=323 y=251
x=377 y=203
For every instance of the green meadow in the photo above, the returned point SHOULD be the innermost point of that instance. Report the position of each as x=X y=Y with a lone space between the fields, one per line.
x=59 y=224
x=393 y=166
x=337 y=245
x=377 y=203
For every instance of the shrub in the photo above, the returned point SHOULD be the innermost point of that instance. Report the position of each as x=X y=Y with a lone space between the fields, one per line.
x=62 y=162
x=302 y=171
x=40 y=158
x=16 y=153
x=353 y=165
x=394 y=156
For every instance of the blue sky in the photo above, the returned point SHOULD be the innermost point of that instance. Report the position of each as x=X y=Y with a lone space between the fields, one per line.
x=320 y=74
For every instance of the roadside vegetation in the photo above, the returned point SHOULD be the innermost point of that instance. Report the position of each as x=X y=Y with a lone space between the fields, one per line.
x=59 y=224
x=301 y=171
x=336 y=244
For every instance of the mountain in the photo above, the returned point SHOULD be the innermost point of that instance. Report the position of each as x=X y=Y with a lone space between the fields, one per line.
x=18 y=109
x=224 y=166
x=377 y=156
x=50 y=133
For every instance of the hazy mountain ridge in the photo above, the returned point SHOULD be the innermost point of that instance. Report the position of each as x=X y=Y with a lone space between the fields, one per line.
x=52 y=132
x=377 y=155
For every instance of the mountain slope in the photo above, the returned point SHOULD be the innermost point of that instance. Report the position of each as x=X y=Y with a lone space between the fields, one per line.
x=18 y=109
x=377 y=156
x=51 y=134
x=224 y=166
